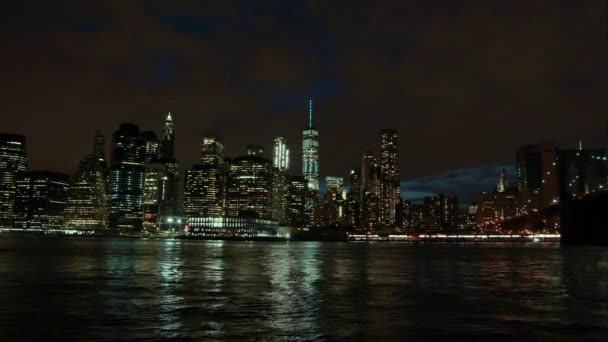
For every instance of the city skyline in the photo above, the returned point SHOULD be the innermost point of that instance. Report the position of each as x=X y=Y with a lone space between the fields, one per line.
x=514 y=82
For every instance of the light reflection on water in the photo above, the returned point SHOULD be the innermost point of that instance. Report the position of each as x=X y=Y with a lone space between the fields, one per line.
x=108 y=289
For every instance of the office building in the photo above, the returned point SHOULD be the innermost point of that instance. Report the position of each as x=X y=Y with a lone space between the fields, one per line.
x=204 y=192
x=86 y=204
x=389 y=163
x=212 y=151
x=13 y=159
x=280 y=154
x=40 y=200
x=296 y=201
x=440 y=212
x=310 y=164
x=127 y=177
x=249 y=187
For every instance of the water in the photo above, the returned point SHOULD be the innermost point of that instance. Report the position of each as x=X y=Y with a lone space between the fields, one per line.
x=120 y=289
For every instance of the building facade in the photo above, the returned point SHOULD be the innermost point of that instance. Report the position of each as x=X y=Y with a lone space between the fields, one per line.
x=13 y=159
x=40 y=200
x=389 y=162
x=127 y=178
x=86 y=204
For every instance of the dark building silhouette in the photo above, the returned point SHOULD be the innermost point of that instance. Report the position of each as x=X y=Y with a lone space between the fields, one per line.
x=13 y=159
x=296 y=201
x=40 y=199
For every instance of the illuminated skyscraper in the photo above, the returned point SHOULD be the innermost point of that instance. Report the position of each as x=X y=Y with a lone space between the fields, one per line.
x=310 y=163
x=249 y=187
x=280 y=183
x=353 y=204
x=389 y=162
x=127 y=177
x=154 y=194
x=280 y=154
x=168 y=141
x=372 y=189
x=204 y=192
x=40 y=199
x=13 y=159
x=86 y=205
x=212 y=151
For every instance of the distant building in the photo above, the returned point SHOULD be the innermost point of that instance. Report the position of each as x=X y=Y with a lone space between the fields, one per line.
x=86 y=204
x=353 y=202
x=153 y=151
x=372 y=191
x=585 y=171
x=296 y=201
x=204 y=192
x=167 y=147
x=127 y=177
x=249 y=187
x=310 y=164
x=40 y=200
x=536 y=171
x=212 y=151
x=154 y=195
x=440 y=212
x=13 y=159
x=280 y=154
x=389 y=163
x=280 y=195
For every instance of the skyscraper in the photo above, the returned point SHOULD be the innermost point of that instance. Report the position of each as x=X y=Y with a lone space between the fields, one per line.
x=310 y=163
x=127 y=177
x=537 y=172
x=86 y=205
x=212 y=151
x=40 y=199
x=154 y=194
x=354 y=197
x=389 y=162
x=204 y=192
x=296 y=190
x=440 y=211
x=280 y=154
x=372 y=190
x=280 y=182
x=13 y=159
x=153 y=146
x=168 y=141
x=249 y=187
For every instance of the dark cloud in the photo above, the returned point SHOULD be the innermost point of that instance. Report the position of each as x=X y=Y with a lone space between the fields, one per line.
x=464 y=82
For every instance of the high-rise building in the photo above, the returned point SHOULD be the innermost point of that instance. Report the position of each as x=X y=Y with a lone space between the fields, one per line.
x=204 y=192
x=13 y=159
x=40 y=199
x=127 y=177
x=280 y=194
x=99 y=153
x=334 y=187
x=249 y=187
x=310 y=163
x=86 y=205
x=503 y=181
x=372 y=191
x=168 y=142
x=153 y=148
x=212 y=151
x=297 y=191
x=389 y=162
x=154 y=194
x=441 y=212
x=280 y=154
x=537 y=172
x=353 y=203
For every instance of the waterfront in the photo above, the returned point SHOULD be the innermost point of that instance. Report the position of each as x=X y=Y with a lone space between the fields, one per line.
x=128 y=289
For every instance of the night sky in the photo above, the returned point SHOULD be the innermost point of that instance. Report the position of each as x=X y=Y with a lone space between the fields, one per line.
x=465 y=83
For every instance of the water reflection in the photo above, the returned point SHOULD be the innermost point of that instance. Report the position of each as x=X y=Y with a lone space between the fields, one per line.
x=135 y=289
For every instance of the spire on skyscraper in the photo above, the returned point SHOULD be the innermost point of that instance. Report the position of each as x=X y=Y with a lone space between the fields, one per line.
x=310 y=113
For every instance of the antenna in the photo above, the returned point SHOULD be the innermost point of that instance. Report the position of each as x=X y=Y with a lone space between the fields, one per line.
x=310 y=113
